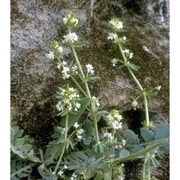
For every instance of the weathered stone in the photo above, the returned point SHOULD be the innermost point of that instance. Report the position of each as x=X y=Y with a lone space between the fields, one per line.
x=34 y=79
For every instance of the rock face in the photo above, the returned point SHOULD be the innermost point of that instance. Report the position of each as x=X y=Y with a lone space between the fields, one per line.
x=34 y=80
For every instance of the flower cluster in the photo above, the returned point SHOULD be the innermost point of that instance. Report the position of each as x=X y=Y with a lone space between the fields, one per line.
x=113 y=37
x=68 y=100
x=96 y=101
x=70 y=38
x=79 y=134
x=70 y=21
x=128 y=53
x=116 y=24
x=114 y=119
x=56 y=51
x=90 y=69
x=108 y=135
x=74 y=176
x=114 y=61
x=67 y=71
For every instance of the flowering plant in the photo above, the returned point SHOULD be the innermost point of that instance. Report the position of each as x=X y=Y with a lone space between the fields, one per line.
x=80 y=147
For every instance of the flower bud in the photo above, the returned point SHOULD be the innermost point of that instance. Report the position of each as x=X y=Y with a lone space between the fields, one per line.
x=134 y=104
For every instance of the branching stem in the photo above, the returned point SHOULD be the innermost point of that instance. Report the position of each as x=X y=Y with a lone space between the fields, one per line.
x=88 y=93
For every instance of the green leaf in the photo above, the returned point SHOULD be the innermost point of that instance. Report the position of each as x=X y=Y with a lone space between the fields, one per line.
x=124 y=153
x=74 y=117
x=88 y=132
x=139 y=154
x=162 y=130
x=165 y=147
x=78 y=44
x=147 y=134
x=131 y=137
x=45 y=173
x=133 y=67
x=137 y=149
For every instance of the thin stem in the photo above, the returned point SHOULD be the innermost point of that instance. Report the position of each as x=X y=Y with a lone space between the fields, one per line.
x=23 y=169
x=144 y=171
x=81 y=71
x=146 y=108
x=88 y=92
x=64 y=145
x=130 y=71
x=77 y=84
x=149 y=167
x=138 y=84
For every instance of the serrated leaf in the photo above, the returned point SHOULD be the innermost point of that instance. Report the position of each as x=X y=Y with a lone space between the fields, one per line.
x=131 y=137
x=162 y=130
x=88 y=132
x=45 y=173
x=147 y=134
x=74 y=117
x=124 y=153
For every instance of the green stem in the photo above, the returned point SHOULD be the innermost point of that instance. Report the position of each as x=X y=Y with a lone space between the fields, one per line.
x=129 y=69
x=81 y=71
x=146 y=108
x=23 y=169
x=138 y=84
x=149 y=167
x=144 y=171
x=77 y=84
x=88 y=93
x=64 y=145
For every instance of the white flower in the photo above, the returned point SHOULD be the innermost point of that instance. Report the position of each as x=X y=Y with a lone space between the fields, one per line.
x=116 y=23
x=116 y=147
x=64 y=63
x=130 y=55
x=90 y=69
x=113 y=37
x=77 y=106
x=59 y=66
x=73 y=177
x=123 y=142
x=114 y=61
x=158 y=88
x=59 y=106
x=60 y=173
x=76 y=125
x=65 y=73
x=50 y=55
x=60 y=49
x=79 y=137
x=124 y=38
x=71 y=37
x=116 y=125
x=126 y=51
x=96 y=101
x=108 y=135
x=65 y=167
